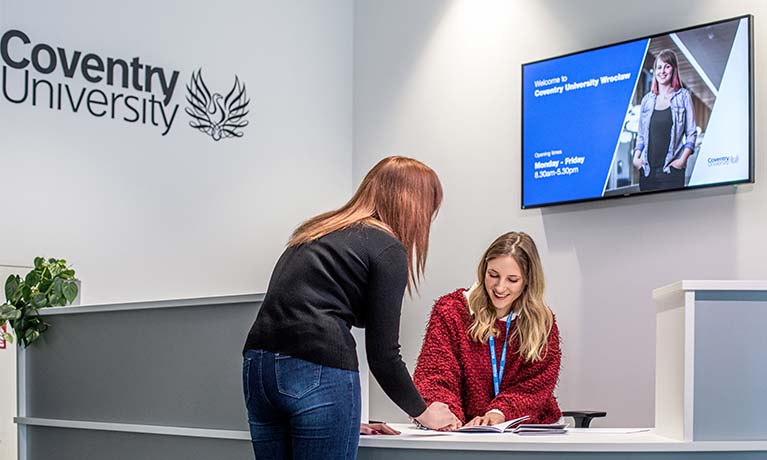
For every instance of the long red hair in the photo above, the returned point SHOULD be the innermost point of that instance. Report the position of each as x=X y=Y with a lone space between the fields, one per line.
x=399 y=195
x=668 y=57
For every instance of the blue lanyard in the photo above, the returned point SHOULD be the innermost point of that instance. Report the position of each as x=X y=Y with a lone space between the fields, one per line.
x=498 y=372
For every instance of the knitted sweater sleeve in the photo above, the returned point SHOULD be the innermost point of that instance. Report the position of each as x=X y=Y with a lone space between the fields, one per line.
x=388 y=278
x=438 y=372
x=534 y=385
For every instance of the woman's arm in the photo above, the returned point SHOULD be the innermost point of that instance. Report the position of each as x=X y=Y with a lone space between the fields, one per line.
x=690 y=133
x=640 y=140
x=637 y=160
x=691 y=127
x=532 y=390
x=386 y=286
x=438 y=372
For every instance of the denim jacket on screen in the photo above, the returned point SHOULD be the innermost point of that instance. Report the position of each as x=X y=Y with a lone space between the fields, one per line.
x=683 y=127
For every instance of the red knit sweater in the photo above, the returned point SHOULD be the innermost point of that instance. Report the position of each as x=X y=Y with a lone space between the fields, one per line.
x=457 y=371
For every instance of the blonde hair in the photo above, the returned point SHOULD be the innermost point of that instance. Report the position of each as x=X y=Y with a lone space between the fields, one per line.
x=400 y=196
x=533 y=318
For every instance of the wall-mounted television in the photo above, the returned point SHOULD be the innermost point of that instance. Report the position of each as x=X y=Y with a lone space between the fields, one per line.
x=666 y=112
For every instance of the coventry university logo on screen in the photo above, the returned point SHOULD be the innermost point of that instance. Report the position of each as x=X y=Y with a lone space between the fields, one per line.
x=124 y=90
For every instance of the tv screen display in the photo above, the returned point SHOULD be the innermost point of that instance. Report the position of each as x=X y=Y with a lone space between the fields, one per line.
x=666 y=112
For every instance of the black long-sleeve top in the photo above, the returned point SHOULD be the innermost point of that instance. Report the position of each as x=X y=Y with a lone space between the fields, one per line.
x=318 y=290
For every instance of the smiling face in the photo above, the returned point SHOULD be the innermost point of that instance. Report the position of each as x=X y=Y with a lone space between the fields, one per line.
x=664 y=72
x=504 y=283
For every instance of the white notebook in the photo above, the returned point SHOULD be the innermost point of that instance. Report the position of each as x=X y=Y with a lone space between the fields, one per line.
x=499 y=428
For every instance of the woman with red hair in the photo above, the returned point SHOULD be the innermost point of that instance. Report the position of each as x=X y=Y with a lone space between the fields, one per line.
x=667 y=129
x=347 y=267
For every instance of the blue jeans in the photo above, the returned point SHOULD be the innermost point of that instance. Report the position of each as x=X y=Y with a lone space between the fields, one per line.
x=300 y=410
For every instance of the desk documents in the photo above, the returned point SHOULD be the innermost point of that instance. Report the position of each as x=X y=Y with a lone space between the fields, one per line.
x=540 y=429
x=498 y=428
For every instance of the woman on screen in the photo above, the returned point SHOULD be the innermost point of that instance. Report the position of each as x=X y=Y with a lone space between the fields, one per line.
x=491 y=353
x=667 y=129
x=347 y=267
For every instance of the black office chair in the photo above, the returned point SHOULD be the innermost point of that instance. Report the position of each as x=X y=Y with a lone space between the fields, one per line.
x=583 y=417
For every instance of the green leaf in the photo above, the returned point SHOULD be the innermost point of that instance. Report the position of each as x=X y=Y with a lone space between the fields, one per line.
x=31 y=335
x=7 y=337
x=45 y=285
x=58 y=285
x=55 y=270
x=32 y=278
x=10 y=315
x=39 y=301
x=39 y=262
x=67 y=274
x=70 y=291
x=45 y=275
x=26 y=293
x=11 y=285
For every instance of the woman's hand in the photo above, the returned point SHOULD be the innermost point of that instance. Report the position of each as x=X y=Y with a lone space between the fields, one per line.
x=438 y=417
x=638 y=163
x=377 y=428
x=678 y=163
x=490 y=418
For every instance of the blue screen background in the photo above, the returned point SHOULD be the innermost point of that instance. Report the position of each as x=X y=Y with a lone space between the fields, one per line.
x=583 y=122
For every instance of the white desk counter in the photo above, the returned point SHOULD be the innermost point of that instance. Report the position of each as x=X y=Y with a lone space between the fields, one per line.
x=577 y=443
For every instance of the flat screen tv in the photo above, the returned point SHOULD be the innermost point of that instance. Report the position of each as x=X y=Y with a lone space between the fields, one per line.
x=666 y=112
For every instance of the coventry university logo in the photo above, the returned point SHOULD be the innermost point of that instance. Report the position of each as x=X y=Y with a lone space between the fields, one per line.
x=218 y=116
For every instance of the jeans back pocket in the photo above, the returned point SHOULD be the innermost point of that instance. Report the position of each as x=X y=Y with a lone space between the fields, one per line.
x=296 y=377
x=246 y=362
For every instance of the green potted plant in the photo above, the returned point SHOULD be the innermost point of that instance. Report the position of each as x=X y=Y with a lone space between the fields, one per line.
x=50 y=284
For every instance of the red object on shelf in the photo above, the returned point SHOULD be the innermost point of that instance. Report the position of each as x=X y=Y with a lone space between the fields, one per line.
x=2 y=340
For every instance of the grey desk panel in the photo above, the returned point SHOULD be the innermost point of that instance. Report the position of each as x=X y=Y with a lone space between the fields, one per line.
x=738 y=296
x=177 y=366
x=424 y=454
x=67 y=444
x=730 y=370
x=47 y=443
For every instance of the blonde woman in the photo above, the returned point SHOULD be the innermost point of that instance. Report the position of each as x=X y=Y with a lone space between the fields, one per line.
x=492 y=353
x=347 y=267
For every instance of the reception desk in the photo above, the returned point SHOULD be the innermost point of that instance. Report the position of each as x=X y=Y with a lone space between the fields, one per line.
x=711 y=376
x=580 y=444
x=145 y=380
x=162 y=381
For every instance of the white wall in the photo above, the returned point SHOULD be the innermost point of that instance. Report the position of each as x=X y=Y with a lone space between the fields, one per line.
x=440 y=81
x=146 y=216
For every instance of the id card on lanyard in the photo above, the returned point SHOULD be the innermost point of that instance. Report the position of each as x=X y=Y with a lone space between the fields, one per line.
x=498 y=372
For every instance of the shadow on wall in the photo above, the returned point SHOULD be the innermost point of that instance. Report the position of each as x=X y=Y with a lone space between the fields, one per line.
x=645 y=19
x=401 y=51
x=624 y=249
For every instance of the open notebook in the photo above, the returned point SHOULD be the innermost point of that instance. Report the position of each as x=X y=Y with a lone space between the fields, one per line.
x=499 y=428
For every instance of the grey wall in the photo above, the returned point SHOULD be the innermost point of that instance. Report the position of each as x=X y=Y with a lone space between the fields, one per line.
x=143 y=216
x=440 y=81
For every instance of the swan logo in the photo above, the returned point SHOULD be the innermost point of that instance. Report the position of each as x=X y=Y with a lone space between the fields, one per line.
x=220 y=117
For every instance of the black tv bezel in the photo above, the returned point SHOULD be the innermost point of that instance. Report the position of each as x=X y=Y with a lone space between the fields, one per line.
x=751 y=135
